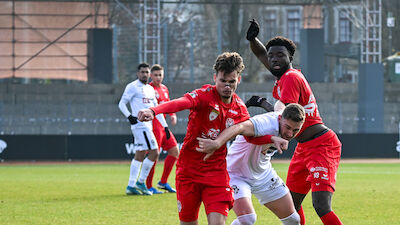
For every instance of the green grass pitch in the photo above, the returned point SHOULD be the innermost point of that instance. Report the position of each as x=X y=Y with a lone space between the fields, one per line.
x=366 y=193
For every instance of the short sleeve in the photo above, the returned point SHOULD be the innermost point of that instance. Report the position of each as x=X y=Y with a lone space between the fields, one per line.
x=265 y=124
x=290 y=89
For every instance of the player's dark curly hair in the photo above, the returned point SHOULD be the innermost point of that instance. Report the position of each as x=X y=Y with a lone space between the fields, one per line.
x=282 y=41
x=229 y=62
x=143 y=65
x=294 y=112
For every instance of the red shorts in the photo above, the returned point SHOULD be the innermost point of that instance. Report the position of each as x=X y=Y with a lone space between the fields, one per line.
x=314 y=165
x=161 y=137
x=190 y=195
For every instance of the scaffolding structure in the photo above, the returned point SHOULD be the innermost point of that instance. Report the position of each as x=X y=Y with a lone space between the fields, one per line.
x=150 y=27
x=371 y=44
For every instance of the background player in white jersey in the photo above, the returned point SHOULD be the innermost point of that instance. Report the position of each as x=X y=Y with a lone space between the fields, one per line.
x=249 y=165
x=141 y=95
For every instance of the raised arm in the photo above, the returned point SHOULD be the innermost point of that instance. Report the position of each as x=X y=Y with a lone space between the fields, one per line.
x=256 y=45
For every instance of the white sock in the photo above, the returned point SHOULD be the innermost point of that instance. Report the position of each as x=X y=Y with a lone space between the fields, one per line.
x=293 y=219
x=235 y=222
x=147 y=164
x=246 y=219
x=134 y=172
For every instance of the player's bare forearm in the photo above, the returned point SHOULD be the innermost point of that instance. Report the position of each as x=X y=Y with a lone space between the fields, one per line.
x=259 y=51
x=245 y=128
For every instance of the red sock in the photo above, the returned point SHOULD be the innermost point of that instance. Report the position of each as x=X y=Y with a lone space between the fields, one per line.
x=331 y=219
x=149 y=180
x=302 y=216
x=168 y=165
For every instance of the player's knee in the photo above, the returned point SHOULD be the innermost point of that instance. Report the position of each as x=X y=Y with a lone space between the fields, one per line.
x=293 y=219
x=321 y=207
x=247 y=219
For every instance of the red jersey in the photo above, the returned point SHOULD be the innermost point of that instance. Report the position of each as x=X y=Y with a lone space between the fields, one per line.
x=293 y=87
x=162 y=94
x=208 y=117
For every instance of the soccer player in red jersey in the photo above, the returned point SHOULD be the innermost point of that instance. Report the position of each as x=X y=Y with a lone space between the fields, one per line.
x=316 y=158
x=212 y=109
x=166 y=142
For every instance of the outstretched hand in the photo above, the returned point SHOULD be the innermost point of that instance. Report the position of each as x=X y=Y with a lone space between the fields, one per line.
x=253 y=30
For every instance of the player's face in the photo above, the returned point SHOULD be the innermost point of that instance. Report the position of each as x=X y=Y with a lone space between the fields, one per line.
x=157 y=76
x=278 y=60
x=226 y=84
x=143 y=74
x=288 y=128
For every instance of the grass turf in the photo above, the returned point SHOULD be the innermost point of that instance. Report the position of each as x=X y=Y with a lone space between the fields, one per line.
x=366 y=193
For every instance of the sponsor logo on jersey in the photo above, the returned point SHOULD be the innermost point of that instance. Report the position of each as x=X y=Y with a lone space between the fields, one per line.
x=319 y=168
x=3 y=145
x=325 y=177
x=146 y=100
x=229 y=122
x=166 y=95
x=213 y=133
x=213 y=115
x=310 y=108
x=233 y=112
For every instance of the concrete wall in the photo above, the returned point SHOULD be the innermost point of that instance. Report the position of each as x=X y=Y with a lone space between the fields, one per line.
x=92 y=108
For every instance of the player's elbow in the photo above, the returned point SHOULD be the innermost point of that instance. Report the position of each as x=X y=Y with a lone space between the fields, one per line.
x=246 y=128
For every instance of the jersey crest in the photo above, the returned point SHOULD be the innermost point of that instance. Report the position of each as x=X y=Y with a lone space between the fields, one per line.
x=229 y=122
x=213 y=115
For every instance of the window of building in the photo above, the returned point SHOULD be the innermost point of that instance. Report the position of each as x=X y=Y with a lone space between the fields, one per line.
x=293 y=25
x=270 y=28
x=345 y=31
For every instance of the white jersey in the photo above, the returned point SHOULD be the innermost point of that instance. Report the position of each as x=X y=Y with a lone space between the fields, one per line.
x=140 y=96
x=250 y=161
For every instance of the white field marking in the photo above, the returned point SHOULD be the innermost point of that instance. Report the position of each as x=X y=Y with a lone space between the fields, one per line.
x=346 y=171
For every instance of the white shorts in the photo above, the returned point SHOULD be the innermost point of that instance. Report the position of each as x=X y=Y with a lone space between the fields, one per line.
x=144 y=139
x=266 y=190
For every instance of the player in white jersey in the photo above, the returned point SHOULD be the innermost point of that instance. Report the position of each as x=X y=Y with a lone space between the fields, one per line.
x=141 y=95
x=249 y=165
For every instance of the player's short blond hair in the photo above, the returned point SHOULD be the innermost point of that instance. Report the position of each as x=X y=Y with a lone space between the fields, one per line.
x=228 y=62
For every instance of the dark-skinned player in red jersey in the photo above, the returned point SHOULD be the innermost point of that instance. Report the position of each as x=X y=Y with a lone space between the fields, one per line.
x=316 y=158
x=212 y=109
